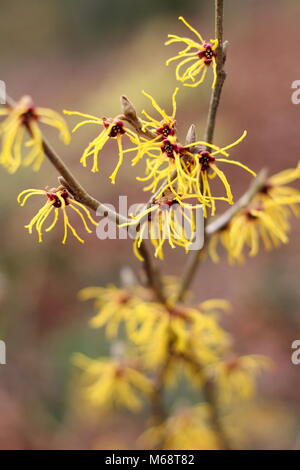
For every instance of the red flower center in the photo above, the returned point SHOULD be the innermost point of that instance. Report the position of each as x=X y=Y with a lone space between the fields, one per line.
x=28 y=116
x=169 y=148
x=206 y=159
x=116 y=129
x=123 y=297
x=52 y=195
x=250 y=215
x=208 y=54
x=232 y=364
x=167 y=204
x=266 y=188
x=166 y=129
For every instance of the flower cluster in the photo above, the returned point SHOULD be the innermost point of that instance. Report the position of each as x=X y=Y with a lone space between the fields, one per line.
x=189 y=171
x=195 y=164
x=185 y=331
x=187 y=168
x=187 y=338
x=150 y=325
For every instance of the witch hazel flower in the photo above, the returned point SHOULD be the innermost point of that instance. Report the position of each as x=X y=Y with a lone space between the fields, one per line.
x=21 y=120
x=195 y=59
x=58 y=201
x=112 y=129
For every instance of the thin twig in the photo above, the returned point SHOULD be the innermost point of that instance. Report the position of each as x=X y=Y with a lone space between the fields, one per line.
x=196 y=256
x=221 y=74
x=158 y=413
x=152 y=274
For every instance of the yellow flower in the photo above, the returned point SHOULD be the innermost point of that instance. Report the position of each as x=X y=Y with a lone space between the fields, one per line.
x=266 y=221
x=151 y=326
x=221 y=237
x=265 y=218
x=276 y=189
x=110 y=382
x=167 y=124
x=197 y=56
x=235 y=377
x=161 y=129
x=187 y=429
x=112 y=305
x=205 y=167
x=57 y=200
x=167 y=219
x=163 y=158
x=113 y=129
x=189 y=331
x=25 y=117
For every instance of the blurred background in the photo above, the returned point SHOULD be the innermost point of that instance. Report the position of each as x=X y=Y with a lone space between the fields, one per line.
x=82 y=55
